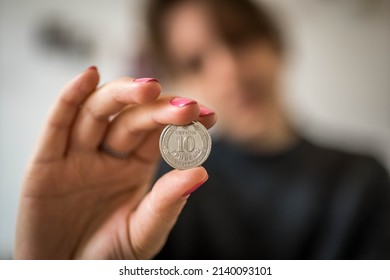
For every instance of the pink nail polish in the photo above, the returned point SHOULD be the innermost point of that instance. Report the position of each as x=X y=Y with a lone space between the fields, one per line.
x=181 y=101
x=204 y=112
x=92 y=68
x=146 y=80
x=194 y=188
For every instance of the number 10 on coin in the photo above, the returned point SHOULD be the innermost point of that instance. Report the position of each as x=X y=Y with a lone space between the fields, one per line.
x=185 y=146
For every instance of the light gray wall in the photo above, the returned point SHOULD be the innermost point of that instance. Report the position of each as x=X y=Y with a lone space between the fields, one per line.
x=338 y=87
x=339 y=82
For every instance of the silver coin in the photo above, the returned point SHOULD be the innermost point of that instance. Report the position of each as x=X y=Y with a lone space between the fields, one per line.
x=185 y=146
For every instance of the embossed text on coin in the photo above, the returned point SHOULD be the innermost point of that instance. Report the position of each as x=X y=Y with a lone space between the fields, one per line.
x=187 y=146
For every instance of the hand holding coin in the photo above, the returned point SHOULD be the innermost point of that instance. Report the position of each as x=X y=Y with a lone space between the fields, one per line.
x=87 y=193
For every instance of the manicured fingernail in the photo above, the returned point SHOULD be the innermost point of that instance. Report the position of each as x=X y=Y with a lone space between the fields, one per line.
x=181 y=101
x=194 y=188
x=146 y=80
x=204 y=112
x=92 y=68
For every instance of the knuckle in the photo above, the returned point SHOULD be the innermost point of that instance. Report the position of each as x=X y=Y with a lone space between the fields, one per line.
x=125 y=80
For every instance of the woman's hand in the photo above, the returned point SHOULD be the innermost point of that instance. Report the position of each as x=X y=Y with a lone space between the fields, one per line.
x=80 y=202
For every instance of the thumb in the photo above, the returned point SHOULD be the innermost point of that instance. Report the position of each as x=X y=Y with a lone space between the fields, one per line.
x=152 y=221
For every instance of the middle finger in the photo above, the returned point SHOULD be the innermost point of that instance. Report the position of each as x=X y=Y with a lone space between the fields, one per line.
x=93 y=118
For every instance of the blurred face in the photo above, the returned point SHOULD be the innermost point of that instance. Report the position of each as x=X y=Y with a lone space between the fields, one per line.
x=241 y=83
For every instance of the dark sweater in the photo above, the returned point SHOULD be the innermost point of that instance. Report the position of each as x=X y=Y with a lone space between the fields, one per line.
x=309 y=202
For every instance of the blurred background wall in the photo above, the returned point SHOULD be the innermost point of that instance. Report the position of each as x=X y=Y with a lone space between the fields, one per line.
x=337 y=88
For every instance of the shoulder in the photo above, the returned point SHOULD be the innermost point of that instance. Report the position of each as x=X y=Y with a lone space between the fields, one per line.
x=338 y=156
x=357 y=167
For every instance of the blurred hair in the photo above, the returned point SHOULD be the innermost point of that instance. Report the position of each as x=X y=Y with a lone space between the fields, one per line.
x=237 y=22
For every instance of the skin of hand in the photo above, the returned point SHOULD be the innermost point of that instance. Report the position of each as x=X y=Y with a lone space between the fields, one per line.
x=78 y=202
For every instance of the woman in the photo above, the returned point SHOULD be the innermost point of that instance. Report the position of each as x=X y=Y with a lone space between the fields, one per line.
x=271 y=194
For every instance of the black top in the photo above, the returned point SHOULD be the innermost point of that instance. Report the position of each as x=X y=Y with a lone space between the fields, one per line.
x=309 y=202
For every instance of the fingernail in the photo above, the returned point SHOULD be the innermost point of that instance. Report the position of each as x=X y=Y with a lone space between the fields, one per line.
x=194 y=188
x=181 y=101
x=92 y=68
x=146 y=80
x=204 y=112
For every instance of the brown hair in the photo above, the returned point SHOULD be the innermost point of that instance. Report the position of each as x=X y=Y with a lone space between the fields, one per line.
x=237 y=21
